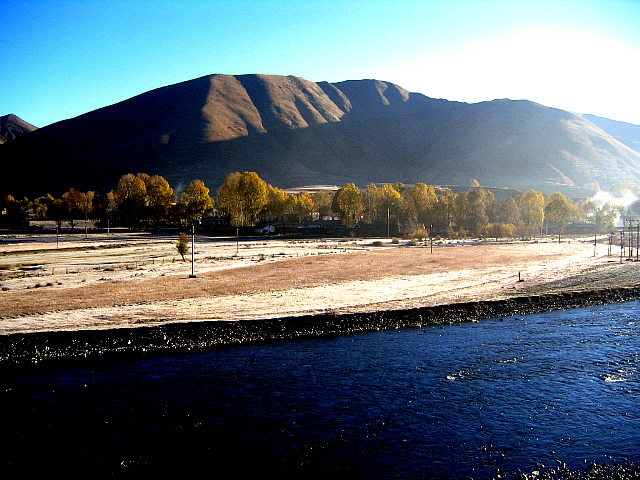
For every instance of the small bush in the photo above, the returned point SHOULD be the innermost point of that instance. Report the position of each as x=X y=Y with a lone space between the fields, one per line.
x=378 y=243
x=395 y=240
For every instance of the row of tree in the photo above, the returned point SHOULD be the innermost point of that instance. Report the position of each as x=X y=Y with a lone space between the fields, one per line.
x=247 y=199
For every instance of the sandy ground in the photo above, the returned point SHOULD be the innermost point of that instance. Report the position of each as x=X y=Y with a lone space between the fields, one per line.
x=121 y=280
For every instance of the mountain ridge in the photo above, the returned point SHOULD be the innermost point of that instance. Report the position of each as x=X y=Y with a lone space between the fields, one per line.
x=296 y=132
x=12 y=127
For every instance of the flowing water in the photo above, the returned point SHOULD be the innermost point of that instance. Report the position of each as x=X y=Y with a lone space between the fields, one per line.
x=439 y=402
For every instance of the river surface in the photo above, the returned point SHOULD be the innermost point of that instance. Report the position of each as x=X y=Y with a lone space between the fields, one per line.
x=438 y=402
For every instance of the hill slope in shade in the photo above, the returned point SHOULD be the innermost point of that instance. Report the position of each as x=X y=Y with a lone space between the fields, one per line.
x=12 y=127
x=295 y=132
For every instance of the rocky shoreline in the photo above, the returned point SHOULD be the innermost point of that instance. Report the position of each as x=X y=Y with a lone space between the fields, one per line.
x=33 y=348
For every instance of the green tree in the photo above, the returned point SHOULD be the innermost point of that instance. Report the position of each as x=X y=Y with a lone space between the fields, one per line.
x=40 y=206
x=194 y=202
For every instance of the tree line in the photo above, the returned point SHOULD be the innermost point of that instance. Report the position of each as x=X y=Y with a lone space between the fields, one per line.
x=415 y=210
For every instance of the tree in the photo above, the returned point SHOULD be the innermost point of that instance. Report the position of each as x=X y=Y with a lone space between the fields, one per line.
x=419 y=201
x=531 y=205
x=100 y=207
x=129 y=198
x=388 y=202
x=160 y=197
x=253 y=191
x=183 y=245
x=74 y=205
x=369 y=195
x=322 y=201
x=605 y=217
x=559 y=210
x=509 y=212
x=348 y=204
x=40 y=206
x=443 y=211
x=243 y=196
x=195 y=201
x=276 y=203
x=300 y=207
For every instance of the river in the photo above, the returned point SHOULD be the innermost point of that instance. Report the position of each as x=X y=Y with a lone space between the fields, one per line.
x=463 y=400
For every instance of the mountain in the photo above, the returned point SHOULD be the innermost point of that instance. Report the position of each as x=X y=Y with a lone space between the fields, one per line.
x=626 y=133
x=12 y=126
x=294 y=132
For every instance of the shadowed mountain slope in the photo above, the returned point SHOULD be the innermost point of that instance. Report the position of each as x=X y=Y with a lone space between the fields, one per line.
x=295 y=132
x=12 y=126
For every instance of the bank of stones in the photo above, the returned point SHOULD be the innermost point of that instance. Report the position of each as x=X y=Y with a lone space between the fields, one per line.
x=184 y=336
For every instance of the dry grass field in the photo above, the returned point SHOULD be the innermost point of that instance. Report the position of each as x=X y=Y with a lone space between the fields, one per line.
x=121 y=280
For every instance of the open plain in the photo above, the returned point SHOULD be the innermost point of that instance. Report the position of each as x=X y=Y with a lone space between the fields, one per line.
x=95 y=282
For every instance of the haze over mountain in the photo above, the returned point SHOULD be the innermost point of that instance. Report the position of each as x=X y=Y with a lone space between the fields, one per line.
x=626 y=133
x=12 y=126
x=294 y=132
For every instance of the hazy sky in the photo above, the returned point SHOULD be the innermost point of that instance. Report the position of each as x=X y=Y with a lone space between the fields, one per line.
x=62 y=58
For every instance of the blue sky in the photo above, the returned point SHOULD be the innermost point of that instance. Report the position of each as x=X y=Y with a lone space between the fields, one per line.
x=62 y=58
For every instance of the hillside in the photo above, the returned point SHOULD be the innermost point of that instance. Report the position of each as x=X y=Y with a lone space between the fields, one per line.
x=626 y=133
x=12 y=126
x=295 y=132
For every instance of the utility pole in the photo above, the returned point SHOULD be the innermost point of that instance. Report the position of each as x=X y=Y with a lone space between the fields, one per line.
x=431 y=237
x=193 y=250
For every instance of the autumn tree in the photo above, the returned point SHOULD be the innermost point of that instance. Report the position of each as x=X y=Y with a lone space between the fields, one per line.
x=75 y=206
x=194 y=202
x=531 y=205
x=244 y=196
x=443 y=211
x=300 y=207
x=160 y=198
x=369 y=196
x=388 y=202
x=253 y=191
x=348 y=204
x=129 y=198
x=276 y=206
x=322 y=201
x=182 y=245
x=509 y=212
x=559 y=210
x=100 y=207
x=419 y=201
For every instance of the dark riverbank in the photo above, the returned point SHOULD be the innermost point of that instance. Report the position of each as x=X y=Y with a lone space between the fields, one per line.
x=34 y=348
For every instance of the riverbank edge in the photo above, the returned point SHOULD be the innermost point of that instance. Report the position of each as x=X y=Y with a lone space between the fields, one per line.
x=38 y=347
